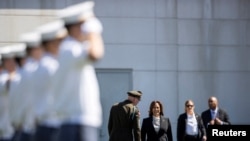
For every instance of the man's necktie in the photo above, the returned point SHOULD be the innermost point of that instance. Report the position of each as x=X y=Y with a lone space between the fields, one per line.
x=213 y=115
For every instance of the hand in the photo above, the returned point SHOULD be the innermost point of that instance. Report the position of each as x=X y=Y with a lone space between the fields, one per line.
x=204 y=138
x=218 y=121
x=212 y=122
x=92 y=25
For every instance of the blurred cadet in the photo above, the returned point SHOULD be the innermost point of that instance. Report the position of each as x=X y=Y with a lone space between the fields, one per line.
x=79 y=88
x=9 y=80
x=20 y=56
x=124 y=119
x=47 y=123
x=15 y=89
x=22 y=111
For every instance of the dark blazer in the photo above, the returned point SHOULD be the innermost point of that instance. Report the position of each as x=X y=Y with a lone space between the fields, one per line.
x=222 y=115
x=148 y=132
x=123 y=124
x=181 y=127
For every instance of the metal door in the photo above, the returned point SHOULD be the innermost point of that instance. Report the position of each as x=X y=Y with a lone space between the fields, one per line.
x=114 y=84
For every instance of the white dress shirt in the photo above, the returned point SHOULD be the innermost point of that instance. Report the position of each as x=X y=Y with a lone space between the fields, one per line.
x=214 y=113
x=78 y=100
x=191 y=125
x=156 y=123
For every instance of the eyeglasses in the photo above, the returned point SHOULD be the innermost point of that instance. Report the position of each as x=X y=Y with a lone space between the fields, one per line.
x=189 y=105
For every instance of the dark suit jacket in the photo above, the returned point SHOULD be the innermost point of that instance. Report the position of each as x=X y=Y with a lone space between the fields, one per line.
x=222 y=115
x=123 y=124
x=148 y=131
x=181 y=127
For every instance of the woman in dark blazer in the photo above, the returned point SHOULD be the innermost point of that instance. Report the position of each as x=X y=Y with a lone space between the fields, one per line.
x=189 y=125
x=156 y=127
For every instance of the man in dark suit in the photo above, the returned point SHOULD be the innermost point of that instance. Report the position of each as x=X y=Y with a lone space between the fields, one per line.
x=214 y=115
x=124 y=124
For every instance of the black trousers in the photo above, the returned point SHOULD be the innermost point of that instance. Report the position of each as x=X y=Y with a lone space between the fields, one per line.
x=77 y=132
x=23 y=136
x=5 y=139
x=46 y=133
x=191 y=138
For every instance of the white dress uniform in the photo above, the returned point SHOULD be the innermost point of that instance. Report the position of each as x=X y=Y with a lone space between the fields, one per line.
x=26 y=99
x=48 y=123
x=78 y=100
x=6 y=130
x=44 y=97
x=8 y=90
x=27 y=118
x=15 y=93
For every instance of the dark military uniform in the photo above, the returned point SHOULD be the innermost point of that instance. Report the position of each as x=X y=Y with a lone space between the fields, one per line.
x=124 y=122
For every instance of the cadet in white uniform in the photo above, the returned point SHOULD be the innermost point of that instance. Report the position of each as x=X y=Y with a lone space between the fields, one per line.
x=15 y=88
x=9 y=80
x=23 y=109
x=48 y=125
x=78 y=101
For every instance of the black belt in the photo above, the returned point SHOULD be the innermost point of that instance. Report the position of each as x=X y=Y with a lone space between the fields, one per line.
x=192 y=136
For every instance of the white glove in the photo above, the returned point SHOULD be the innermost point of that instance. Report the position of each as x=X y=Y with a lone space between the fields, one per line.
x=92 y=25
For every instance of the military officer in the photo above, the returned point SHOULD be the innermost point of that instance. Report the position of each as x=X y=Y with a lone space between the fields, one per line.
x=124 y=119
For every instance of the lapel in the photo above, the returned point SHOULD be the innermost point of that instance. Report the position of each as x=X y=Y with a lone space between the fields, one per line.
x=162 y=122
x=163 y=125
x=152 y=125
x=218 y=113
x=209 y=115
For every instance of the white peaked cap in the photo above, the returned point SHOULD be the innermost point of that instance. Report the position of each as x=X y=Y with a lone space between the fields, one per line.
x=77 y=13
x=31 y=39
x=52 y=30
x=13 y=50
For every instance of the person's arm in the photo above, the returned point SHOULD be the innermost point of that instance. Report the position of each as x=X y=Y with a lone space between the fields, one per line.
x=143 y=131
x=93 y=29
x=136 y=126
x=223 y=118
x=202 y=129
x=3 y=84
x=180 y=128
x=178 y=134
x=226 y=120
x=110 y=122
x=169 y=131
x=204 y=118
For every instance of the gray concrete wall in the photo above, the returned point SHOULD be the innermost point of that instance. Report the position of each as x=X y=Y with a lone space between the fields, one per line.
x=178 y=49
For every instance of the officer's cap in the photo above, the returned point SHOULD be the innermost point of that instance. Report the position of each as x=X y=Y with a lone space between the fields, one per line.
x=77 y=13
x=52 y=30
x=31 y=39
x=135 y=93
x=13 y=50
